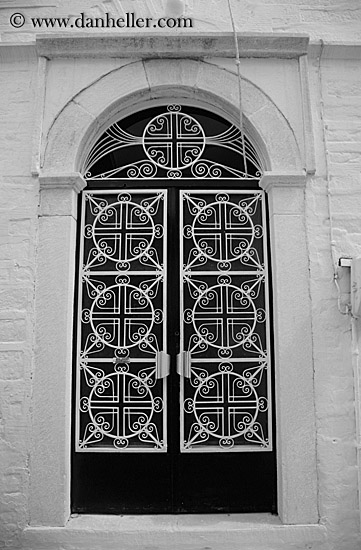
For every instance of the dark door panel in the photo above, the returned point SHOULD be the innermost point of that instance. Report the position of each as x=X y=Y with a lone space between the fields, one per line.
x=209 y=480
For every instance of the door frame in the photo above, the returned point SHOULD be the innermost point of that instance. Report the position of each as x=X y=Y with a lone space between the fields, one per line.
x=60 y=182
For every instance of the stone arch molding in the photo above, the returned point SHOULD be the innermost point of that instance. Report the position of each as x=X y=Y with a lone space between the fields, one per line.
x=124 y=89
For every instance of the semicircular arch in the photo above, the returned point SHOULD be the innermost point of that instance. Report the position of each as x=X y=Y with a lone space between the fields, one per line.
x=138 y=85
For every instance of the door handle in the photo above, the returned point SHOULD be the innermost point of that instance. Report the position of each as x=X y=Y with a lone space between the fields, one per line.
x=162 y=364
x=184 y=364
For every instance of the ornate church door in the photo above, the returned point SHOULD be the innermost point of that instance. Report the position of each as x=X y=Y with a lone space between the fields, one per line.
x=173 y=385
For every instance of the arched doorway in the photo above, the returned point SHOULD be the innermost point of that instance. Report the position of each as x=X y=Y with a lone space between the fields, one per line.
x=173 y=384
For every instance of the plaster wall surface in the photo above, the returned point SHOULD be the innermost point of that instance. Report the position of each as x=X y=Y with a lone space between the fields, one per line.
x=333 y=224
x=326 y=19
x=333 y=221
x=18 y=229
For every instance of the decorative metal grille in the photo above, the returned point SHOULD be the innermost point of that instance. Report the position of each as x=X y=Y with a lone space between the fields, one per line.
x=224 y=359
x=172 y=145
x=225 y=390
x=122 y=330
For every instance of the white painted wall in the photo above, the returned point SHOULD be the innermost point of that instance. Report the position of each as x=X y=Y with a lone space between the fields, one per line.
x=18 y=230
x=332 y=193
x=335 y=85
x=327 y=19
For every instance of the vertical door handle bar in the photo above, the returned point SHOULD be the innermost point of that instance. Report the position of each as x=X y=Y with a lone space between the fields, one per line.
x=184 y=364
x=162 y=364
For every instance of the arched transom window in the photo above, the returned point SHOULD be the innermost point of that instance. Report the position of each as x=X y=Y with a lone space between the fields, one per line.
x=173 y=143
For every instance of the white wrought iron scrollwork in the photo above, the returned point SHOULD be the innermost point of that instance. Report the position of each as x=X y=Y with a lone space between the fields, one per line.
x=225 y=325
x=172 y=145
x=225 y=406
x=173 y=140
x=120 y=408
x=121 y=363
x=224 y=359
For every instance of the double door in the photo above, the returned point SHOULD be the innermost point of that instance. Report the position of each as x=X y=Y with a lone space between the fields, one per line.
x=173 y=408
